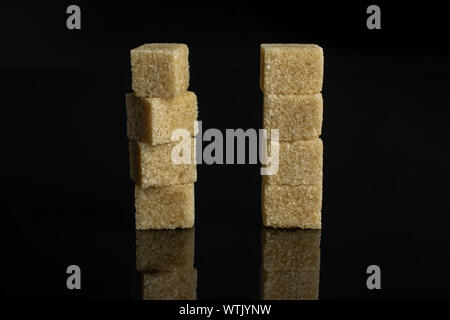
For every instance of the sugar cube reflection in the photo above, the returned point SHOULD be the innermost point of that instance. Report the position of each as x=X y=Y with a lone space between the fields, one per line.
x=290 y=264
x=165 y=260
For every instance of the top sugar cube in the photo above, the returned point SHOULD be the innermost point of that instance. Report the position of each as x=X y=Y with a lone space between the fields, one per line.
x=291 y=69
x=160 y=70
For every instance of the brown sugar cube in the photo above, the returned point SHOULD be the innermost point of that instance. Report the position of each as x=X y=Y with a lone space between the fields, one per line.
x=180 y=284
x=168 y=207
x=298 y=117
x=153 y=120
x=292 y=206
x=160 y=70
x=290 y=249
x=291 y=69
x=153 y=165
x=290 y=285
x=300 y=163
x=164 y=250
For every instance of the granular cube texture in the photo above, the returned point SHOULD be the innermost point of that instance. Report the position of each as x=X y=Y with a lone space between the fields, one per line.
x=291 y=69
x=290 y=249
x=290 y=285
x=285 y=206
x=290 y=264
x=153 y=165
x=152 y=120
x=168 y=207
x=298 y=117
x=173 y=285
x=300 y=163
x=164 y=250
x=160 y=70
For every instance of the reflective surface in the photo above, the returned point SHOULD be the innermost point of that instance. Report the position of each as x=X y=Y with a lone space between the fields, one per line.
x=290 y=264
x=165 y=262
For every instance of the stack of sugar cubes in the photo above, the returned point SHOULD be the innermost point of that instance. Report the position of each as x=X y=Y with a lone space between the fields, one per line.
x=160 y=104
x=291 y=80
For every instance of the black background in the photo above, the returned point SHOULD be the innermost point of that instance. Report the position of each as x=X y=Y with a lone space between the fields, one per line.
x=66 y=193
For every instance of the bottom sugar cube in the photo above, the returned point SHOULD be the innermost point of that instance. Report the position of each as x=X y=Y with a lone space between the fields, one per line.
x=167 y=207
x=164 y=250
x=285 y=206
x=180 y=284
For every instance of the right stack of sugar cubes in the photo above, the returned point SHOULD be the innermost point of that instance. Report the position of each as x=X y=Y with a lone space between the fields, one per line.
x=159 y=105
x=291 y=80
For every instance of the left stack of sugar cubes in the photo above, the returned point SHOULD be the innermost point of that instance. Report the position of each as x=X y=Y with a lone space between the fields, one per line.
x=159 y=105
